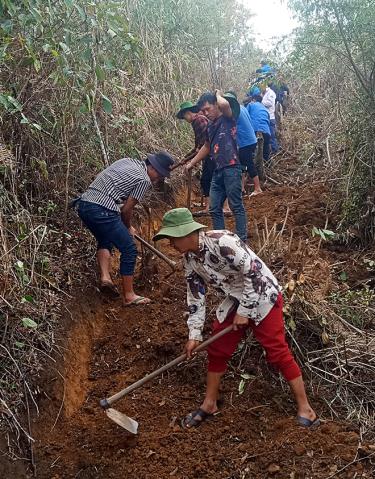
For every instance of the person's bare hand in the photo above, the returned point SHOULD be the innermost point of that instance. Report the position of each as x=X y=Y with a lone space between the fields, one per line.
x=132 y=230
x=189 y=346
x=188 y=166
x=240 y=322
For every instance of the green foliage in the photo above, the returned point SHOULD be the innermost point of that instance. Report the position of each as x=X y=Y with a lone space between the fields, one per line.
x=73 y=42
x=211 y=37
x=27 y=298
x=343 y=276
x=335 y=49
x=83 y=82
x=356 y=306
x=29 y=323
x=242 y=384
x=61 y=62
x=21 y=272
x=326 y=235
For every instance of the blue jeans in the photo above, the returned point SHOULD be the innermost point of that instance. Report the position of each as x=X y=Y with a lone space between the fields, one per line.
x=226 y=183
x=109 y=230
x=274 y=144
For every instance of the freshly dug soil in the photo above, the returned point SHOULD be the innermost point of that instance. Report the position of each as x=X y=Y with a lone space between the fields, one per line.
x=108 y=347
x=254 y=436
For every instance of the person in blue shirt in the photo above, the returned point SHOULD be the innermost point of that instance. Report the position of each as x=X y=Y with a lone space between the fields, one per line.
x=260 y=119
x=254 y=90
x=264 y=67
x=247 y=143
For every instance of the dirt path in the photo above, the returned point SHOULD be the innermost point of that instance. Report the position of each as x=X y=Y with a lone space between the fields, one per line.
x=254 y=437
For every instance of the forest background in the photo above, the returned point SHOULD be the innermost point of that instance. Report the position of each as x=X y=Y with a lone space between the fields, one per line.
x=83 y=83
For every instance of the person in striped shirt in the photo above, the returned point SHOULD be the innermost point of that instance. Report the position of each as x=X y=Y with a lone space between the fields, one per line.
x=106 y=210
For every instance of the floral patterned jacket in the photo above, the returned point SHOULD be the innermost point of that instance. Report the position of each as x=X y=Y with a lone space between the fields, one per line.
x=228 y=264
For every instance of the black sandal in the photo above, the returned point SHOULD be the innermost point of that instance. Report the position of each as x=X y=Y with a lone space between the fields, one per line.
x=191 y=419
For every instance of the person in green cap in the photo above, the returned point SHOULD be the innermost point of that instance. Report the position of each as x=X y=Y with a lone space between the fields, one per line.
x=191 y=114
x=252 y=300
x=221 y=144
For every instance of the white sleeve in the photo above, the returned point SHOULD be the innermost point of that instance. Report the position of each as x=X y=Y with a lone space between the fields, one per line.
x=269 y=99
x=196 y=301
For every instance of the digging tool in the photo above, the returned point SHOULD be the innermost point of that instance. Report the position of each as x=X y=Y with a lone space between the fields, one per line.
x=170 y=262
x=127 y=422
x=188 y=199
x=177 y=165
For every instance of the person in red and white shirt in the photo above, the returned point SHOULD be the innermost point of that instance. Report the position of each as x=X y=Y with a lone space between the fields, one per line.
x=252 y=300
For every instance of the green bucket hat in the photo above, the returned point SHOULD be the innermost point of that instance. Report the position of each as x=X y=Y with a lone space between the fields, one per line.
x=233 y=102
x=177 y=223
x=187 y=106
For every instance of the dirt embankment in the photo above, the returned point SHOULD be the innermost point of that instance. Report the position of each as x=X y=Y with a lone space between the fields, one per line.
x=255 y=436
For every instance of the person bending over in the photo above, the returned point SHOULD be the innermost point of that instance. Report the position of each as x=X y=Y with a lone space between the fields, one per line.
x=252 y=301
x=106 y=210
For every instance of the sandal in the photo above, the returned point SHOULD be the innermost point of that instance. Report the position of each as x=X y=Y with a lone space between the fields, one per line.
x=191 y=420
x=303 y=421
x=109 y=289
x=139 y=301
x=255 y=193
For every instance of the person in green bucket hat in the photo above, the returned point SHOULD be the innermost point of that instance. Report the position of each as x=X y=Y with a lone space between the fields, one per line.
x=186 y=107
x=190 y=113
x=221 y=146
x=252 y=300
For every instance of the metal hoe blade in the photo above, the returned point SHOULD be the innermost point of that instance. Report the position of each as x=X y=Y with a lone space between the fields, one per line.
x=122 y=420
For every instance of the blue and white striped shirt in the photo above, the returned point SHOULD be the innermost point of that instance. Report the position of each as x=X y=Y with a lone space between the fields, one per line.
x=123 y=179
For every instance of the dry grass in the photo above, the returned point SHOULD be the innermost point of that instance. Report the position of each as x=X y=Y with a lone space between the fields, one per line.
x=331 y=327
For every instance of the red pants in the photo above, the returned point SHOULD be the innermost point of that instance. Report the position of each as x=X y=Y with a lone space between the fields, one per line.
x=270 y=334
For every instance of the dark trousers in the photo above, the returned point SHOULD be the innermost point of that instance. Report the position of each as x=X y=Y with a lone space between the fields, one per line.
x=274 y=142
x=266 y=146
x=109 y=230
x=246 y=155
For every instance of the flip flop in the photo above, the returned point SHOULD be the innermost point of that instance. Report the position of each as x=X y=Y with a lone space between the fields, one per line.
x=305 y=422
x=191 y=420
x=140 y=301
x=109 y=290
x=255 y=193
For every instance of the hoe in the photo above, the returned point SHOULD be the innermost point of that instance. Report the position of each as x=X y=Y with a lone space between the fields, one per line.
x=127 y=422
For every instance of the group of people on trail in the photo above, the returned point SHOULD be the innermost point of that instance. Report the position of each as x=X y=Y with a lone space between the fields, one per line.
x=270 y=90
x=252 y=123
x=225 y=141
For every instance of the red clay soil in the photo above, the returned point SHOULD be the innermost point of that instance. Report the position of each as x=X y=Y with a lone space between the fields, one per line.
x=255 y=435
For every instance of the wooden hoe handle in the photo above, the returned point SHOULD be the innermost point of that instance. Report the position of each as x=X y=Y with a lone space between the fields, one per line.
x=177 y=165
x=170 y=262
x=106 y=403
